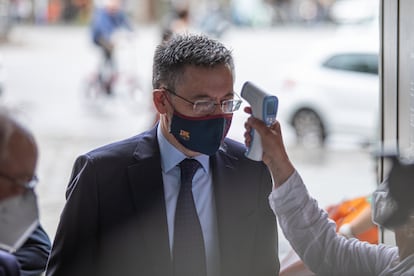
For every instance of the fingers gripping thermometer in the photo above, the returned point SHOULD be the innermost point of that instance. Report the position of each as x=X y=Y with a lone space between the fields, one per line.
x=264 y=107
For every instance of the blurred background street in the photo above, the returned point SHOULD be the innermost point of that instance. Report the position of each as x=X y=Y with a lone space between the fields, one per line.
x=48 y=65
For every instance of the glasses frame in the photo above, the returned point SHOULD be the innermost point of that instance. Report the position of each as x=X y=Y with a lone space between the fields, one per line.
x=26 y=184
x=236 y=103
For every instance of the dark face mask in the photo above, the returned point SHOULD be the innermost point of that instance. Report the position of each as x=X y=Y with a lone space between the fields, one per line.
x=201 y=134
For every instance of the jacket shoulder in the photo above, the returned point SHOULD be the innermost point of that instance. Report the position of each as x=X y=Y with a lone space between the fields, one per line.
x=126 y=147
x=234 y=148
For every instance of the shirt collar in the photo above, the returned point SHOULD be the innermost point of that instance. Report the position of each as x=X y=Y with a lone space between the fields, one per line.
x=171 y=156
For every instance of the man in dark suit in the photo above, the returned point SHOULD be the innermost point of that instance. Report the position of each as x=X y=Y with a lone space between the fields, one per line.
x=122 y=209
x=18 y=160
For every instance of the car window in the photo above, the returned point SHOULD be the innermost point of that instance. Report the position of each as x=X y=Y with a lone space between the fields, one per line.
x=364 y=63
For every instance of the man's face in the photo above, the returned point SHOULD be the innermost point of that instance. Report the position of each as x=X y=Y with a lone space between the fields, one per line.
x=17 y=165
x=198 y=83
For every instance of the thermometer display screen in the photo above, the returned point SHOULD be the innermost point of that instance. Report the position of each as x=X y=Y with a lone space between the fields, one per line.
x=270 y=108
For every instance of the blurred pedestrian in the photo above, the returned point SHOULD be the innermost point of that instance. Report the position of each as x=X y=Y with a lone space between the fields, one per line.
x=18 y=160
x=106 y=21
x=178 y=24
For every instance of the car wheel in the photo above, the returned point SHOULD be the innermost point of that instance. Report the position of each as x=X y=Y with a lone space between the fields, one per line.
x=309 y=129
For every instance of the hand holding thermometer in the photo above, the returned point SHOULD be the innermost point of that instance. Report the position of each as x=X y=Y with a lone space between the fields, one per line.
x=264 y=107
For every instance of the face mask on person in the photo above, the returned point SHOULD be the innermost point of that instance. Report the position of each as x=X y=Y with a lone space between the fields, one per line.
x=383 y=205
x=200 y=134
x=392 y=201
x=18 y=218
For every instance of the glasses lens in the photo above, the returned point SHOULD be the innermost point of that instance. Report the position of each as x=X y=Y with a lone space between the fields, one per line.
x=201 y=107
x=206 y=107
x=230 y=106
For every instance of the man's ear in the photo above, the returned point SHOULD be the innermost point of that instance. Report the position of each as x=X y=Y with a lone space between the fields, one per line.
x=160 y=100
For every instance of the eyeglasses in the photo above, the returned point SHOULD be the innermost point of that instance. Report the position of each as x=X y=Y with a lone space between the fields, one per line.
x=26 y=184
x=208 y=106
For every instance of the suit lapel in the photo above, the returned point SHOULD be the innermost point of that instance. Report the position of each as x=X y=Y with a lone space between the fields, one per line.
x=146 y=184
x=235 y=205
x=236 y=226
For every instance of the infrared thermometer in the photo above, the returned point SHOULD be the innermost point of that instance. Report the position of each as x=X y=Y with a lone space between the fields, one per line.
x=264 y=107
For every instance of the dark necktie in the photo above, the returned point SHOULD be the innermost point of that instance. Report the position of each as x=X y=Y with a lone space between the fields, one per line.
x=188 y=249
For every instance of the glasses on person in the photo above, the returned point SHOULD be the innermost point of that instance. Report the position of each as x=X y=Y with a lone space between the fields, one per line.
x=209 y=106
x=26 y=184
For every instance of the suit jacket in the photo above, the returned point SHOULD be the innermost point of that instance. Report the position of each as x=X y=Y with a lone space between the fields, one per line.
x=30 y=259
x=8 y=264
x=114 y=221
x=33 y=254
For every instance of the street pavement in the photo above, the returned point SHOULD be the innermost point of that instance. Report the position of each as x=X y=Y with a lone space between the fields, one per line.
x=48 y=66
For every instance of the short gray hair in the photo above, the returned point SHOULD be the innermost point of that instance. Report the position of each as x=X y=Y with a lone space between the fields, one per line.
x=172 y=56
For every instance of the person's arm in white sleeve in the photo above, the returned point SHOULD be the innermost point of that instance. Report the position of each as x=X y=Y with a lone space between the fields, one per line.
x=307 y=227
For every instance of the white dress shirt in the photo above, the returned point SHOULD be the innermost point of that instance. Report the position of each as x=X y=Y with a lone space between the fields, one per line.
x=203 y=197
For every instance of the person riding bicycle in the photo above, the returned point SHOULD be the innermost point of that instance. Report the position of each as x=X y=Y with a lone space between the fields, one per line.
x=106 y=20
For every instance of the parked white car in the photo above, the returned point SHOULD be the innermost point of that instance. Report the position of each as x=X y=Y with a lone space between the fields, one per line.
x=335 y=93
x=354 y=11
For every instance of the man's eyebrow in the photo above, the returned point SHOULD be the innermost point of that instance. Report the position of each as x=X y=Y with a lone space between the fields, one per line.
x=203 y=95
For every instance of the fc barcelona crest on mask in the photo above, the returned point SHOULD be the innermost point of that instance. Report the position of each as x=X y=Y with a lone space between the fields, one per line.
x=200 y=134
x=185 y=135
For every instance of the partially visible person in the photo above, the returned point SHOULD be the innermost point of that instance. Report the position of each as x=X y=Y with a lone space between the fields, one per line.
x=18 y=160
x=353 y=220
x=312 y=234
x=106 y=21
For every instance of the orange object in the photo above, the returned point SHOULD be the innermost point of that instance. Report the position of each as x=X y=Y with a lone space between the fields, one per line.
x=53 y=11
x=347 y=211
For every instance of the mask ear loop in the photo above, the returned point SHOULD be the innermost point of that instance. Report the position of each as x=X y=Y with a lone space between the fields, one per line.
x=169 y=101
x=167 y=97
x=164 y=91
